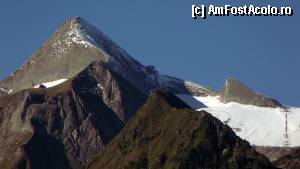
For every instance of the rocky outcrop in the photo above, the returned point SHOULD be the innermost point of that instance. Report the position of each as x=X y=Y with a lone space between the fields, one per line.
x=235 y=91
x=65 y=126
x=289 y=161
x=166 y=133
x=274 y=153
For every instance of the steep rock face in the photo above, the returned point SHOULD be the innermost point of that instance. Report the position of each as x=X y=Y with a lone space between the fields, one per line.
x=116 y=92
x=235 y=91
x=166 y=133
x=74 y=46
x=290 y=161
x=65 y=126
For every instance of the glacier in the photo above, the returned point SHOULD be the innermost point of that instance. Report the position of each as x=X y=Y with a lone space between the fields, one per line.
x=261 y=126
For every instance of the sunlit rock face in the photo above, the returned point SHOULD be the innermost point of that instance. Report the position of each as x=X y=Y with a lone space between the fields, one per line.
x=235 y=91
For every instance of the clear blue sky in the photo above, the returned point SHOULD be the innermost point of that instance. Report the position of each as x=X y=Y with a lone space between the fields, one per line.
x=262 y=52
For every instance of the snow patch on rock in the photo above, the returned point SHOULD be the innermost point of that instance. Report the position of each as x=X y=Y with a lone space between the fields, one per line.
x=194 y=85
x=8 y=91
x=51 y=84
x=100 y=86
x=83 y=33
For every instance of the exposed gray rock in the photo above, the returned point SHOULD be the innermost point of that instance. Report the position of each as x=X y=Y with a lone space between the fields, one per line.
x=69 y=50
x=73 y=47
x=235 y=91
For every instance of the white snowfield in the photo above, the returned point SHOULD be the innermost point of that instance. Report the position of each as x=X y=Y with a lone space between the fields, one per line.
x=51 y=84
x=261 y=126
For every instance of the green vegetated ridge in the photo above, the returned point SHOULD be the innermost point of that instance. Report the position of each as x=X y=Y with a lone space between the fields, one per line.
x=167 y=134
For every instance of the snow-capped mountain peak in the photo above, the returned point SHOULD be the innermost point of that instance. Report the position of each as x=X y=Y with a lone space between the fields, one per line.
x=82 y=32
x=74 y=46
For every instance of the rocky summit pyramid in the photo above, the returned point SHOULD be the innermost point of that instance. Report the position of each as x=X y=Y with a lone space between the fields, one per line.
x=73 y=47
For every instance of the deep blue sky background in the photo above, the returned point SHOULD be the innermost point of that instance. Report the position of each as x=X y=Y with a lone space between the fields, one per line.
x=262 y=52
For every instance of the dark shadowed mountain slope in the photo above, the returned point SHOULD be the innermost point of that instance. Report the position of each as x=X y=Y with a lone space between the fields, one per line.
x=274 y=153
x=165 y=133
x=290 y=161
x=235 y=91
x=65 y=126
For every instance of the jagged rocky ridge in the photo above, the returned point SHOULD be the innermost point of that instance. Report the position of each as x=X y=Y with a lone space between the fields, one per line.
x=65 y=126
x=166 y=133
